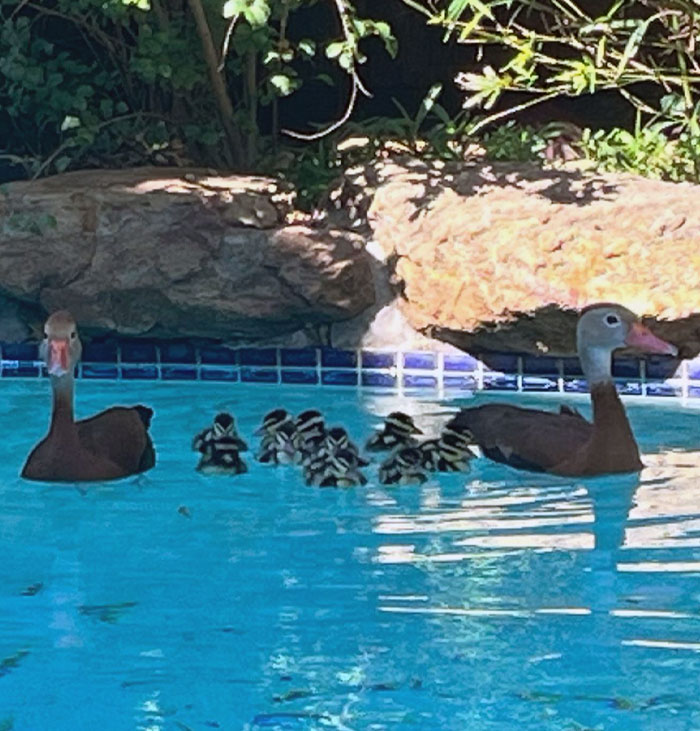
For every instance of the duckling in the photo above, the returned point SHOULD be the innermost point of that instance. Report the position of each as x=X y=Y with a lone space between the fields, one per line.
x=339 y=469
x=309 y=424
x=272 y=421
x=224 y=426
x=449 y=453
x=278 y=447
x=334 y=440
x=221 y=456
x=403 y=467
x=310 y=435
x=398 y=431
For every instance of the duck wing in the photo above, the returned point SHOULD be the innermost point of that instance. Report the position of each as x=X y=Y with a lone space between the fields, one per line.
x=527 y=439
x=120 y=435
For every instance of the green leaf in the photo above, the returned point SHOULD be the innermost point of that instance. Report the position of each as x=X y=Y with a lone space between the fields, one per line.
x=283 y=83
x=428 y=101
x=632 y=45
x=69 y=122
x=234 y=7
x=257 y=13
x=307 y=47
x=333 y=50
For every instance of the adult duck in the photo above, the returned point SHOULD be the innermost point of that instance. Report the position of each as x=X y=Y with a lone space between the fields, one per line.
x=565 y=443
x=112 y=444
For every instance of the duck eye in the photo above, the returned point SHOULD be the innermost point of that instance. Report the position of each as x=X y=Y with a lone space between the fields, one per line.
x=72 y=335
x=46 y=336
x=612 y=320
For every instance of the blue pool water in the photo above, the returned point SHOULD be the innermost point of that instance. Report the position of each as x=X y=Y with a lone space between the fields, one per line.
x=493 y=600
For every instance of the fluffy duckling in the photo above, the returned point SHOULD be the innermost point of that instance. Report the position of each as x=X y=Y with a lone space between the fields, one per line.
x=272 y=421
x=449 y=453
x=310 y=435
x=278 y=446
x=221 y=456
x=339 y=469
x=397 y=431
x=403 y=467
x=334 y=440
x=224 y=426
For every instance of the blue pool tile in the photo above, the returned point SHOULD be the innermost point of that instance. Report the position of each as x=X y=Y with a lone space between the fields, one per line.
x=539 y=383
x=575 y=385
x=99 y=370
x=218 y=355
x=301 y=375
x=660 y=388
x=133 y=372
x=177 y=353
x=501 y=362
x=20 y=351
x=374 y=359
x=625 y=367
x=100 y=352
x=212 y=373
x=660 y=366
x=543 y=365
x=332 y=358
x=339 y=378
x=694 y=368
x=178 y=372
x=258 y=356
x=21 y=369
x=139 y=352
x=298 y=356
x=379 y=380
x=258 y=375
x=500 y=382
x=424 y=361
x=628 y=388
x=411 y=380
x=461 y=382
x=465 y=363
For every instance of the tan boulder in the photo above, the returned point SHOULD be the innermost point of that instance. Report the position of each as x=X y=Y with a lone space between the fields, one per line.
x=177 y=253
x=498 y=256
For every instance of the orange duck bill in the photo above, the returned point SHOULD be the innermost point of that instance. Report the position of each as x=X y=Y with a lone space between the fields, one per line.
x=59 y=357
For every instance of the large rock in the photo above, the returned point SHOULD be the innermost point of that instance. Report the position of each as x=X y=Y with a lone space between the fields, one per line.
x=499 y=256
x=173 y=253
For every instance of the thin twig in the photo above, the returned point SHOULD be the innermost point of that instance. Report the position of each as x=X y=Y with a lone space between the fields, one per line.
x=335 y=125
x=227 y=41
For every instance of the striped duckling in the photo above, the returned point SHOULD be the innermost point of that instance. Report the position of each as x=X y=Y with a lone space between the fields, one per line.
x=449 y=452
x=398 y=431
x=337 y=469
x=224 y=426
x=403 y=467
x=310 y=435
x=335 y=439
x=220 y=448
x=278 y=433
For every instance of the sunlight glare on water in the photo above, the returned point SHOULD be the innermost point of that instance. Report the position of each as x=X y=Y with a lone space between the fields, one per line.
x=492 y=600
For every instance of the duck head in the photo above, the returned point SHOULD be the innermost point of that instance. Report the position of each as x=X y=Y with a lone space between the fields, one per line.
x=60 y=348
x=603 y=328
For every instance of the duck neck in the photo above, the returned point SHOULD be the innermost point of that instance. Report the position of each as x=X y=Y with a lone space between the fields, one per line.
x=596 y=365
x=62 y=413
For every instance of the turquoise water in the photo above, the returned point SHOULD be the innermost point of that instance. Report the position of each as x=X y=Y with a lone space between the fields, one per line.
x=493 y=600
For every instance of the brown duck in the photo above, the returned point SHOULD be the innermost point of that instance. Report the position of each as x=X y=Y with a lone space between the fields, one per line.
x=565 y=443
x=114 y=443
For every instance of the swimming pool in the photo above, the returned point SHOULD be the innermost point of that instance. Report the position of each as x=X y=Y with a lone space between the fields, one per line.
x=493 y=600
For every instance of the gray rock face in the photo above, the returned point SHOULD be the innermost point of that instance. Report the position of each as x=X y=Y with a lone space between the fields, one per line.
x=176 y=253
